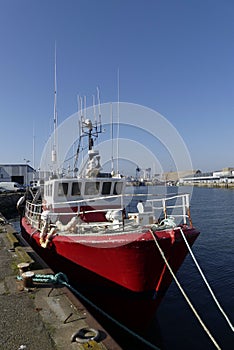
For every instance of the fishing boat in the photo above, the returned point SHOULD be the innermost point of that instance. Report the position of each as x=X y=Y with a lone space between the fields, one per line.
x=110 y=243
x=113 y=245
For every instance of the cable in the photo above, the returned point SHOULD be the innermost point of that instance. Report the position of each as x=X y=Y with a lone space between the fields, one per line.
x=205 y=280
x=184 y=294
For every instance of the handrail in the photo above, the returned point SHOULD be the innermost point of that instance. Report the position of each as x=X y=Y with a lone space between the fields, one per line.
x=181 y=205
x=184 y=206
x=121 y=196
x=88 y=200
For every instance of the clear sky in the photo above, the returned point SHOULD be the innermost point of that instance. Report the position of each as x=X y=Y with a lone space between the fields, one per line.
x=174 y=56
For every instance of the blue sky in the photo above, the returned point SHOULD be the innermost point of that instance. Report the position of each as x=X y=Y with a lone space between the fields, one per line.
x=174 y=56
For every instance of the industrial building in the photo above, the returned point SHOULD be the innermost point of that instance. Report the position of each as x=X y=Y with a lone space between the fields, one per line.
x=20 y=173
x=224 y=176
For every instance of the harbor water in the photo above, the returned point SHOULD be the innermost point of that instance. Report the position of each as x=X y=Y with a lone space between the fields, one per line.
x=212 y=215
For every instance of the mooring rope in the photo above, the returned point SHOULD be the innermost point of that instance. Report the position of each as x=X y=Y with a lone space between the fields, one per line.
x=184 y=294
x=205 y=280
x=61 y=279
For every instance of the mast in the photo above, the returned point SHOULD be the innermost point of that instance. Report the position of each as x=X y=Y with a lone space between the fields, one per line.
x=33 y=152
x=99 y=122
x=118 y=116
x=55 y=119
x=112 y=142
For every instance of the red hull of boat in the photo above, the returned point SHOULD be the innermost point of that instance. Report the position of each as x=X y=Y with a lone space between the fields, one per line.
x=128 y=274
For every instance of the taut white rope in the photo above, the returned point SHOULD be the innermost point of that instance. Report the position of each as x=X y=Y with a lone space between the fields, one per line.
x=205 y=280
x=185 y=295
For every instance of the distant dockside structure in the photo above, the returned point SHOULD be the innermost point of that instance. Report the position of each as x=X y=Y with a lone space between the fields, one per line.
x=221 y=178
x=23 y=174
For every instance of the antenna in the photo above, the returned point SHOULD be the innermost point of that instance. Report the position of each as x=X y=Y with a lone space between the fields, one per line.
x=33 y=151
x=81 y=106
x=86 y=127
x=94 y=110
x=118 y=123
x=99 y=109
x=54 y=150
x=112 y=140
x=85 y=110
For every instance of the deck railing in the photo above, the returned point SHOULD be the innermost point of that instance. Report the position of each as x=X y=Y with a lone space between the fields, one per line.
x=176 y=206
x=160 y=208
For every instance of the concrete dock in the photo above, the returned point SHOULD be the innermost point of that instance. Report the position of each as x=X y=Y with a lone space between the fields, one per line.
x=41 y=316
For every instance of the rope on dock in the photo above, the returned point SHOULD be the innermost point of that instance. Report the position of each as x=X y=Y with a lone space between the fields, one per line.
x=61 y=279
x=206 y=282
x=184 y=294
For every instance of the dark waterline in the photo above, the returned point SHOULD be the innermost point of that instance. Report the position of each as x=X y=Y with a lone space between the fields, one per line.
x=211 y=210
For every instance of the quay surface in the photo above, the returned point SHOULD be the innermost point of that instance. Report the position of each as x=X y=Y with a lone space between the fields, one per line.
x=40 y=316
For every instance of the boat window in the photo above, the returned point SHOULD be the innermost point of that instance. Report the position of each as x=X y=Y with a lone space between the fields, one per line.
x=106 y=187
x=50 y=189
x=92 y=188
x=62 y=189
x=76 y=186
x=118 y=188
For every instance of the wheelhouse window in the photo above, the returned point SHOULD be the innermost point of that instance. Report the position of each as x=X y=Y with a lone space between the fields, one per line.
x=118 y=188
x=48 y=190
x=76 y=189
x=62 y=189
x=106 y=188
x=92 y=188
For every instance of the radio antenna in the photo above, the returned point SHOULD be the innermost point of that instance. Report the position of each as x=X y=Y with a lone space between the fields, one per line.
x=118 y=116
x=55 y=144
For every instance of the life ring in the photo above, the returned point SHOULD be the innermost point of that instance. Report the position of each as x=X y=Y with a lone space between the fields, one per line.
x=84 y=335
x=21 y=205
x=20 y=202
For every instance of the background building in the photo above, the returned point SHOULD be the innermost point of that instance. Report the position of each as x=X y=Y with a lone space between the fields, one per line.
x=175 y=176
x=21 y=173
x=220 y=177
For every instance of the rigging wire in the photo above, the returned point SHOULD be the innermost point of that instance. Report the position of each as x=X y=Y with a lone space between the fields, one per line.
x=205 y=280
x=184 y=294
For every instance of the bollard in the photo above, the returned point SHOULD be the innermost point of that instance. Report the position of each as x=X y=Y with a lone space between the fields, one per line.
x=23 y=267
x=28 y=279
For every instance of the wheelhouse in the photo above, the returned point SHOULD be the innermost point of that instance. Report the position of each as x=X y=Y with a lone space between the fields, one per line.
x=66 y=190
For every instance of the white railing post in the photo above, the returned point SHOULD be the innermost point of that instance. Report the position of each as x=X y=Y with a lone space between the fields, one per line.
x=164 y=207
x=184 y=209
x=188 y=209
